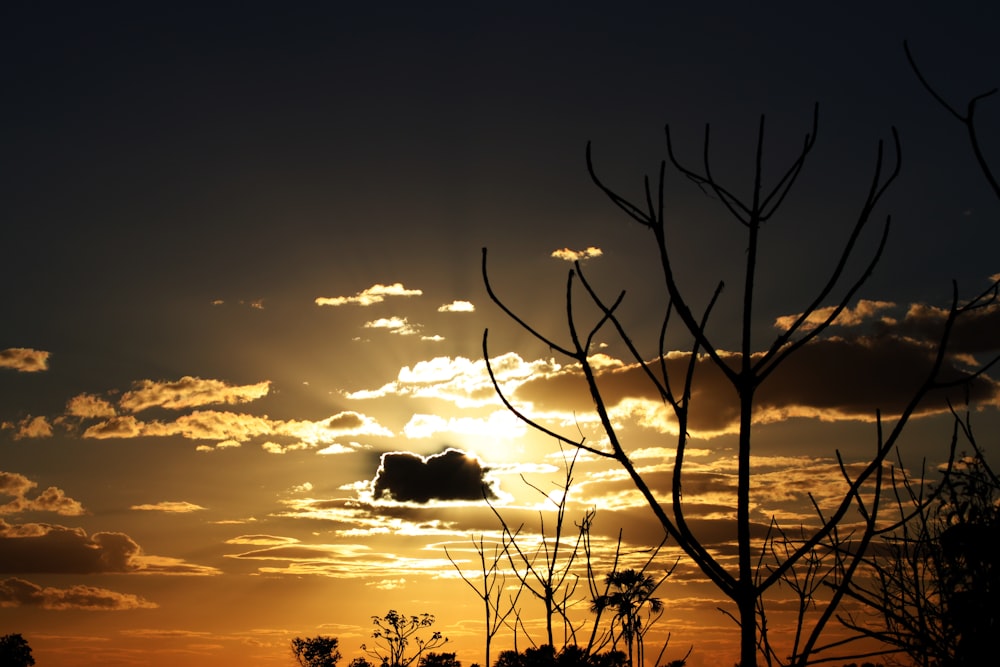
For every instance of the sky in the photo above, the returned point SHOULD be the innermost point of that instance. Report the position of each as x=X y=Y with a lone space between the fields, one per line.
x=243 y=394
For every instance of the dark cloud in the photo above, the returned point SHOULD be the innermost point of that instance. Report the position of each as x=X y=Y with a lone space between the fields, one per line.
x=65 y=550
x=450 y=475
x=15 y=592
x=834 y=378
x=46 y=548
x=973 y=333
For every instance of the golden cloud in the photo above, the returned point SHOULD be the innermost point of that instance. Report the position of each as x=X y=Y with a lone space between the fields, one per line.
x=33 y=427
x=173 y=507
x=367 y=297
x=457 y=307
x=51 y=499
x=189 y=392
x=24 y=359
x=577 y=255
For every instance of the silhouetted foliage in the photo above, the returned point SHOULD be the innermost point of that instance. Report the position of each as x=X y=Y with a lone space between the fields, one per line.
x=439 y=660
x=630 y=591
x=15 y=652
x=935 y=584
x=549 y=566
x=360 y=662
x=393 y=634
x=569 y=656
x=319 y=651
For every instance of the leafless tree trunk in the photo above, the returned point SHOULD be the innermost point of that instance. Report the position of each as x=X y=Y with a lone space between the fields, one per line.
x=493 y=580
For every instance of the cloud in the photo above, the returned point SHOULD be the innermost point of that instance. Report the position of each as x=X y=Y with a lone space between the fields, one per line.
x=88 y=406
x=48 y=548
x=499 y=424
x=577 y=255
x=829 y=379
x=343 y=560
x=459 y=380
x=849 y=317
x=33 y=427
x=450 y=475
x=374 y=294
x=231 y=429
x=115 y=427
x=24 y=359
x=173 y=507
x=15 y=592
x=974 y=332
x=262 y=540
x=51 y=499
x=457 y=307
x=188 y=392
x=396 y=325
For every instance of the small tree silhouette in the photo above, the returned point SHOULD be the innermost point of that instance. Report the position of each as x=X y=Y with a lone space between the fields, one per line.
x=393 y=634
x=15 y=652
x=317 y=651
x=631 y=590
x=439 y=660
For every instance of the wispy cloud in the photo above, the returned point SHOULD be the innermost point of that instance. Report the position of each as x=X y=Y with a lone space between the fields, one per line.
x=396 y=325
x=501 y=423
x=370 y=296
x=189 y=392
x=865 y=310
x=24 y=359
x=232 y=429
x=459 y=380
x=169 y=506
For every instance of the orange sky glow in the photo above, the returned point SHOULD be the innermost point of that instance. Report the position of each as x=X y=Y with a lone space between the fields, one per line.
x=244 y=392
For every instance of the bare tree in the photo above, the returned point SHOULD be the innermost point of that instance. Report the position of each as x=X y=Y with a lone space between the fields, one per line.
x=491 y=584
x=673 y=377
x=549 y=569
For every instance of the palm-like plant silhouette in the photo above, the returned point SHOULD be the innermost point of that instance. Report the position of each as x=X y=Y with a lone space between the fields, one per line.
x=628 y=592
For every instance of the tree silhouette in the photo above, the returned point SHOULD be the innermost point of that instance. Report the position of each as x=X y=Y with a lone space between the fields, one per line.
x=320 y=651
x=393 y=634
x=673 y=377
x=935 y=583
x=439 y=660
x=631 y=590
x=15 y=652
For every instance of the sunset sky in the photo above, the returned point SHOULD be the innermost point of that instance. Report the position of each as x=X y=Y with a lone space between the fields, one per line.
x=242 y=387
